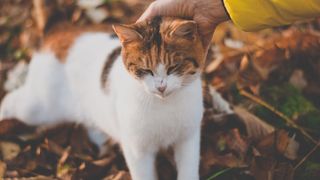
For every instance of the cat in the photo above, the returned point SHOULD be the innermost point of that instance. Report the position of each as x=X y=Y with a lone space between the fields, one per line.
x=148 y=98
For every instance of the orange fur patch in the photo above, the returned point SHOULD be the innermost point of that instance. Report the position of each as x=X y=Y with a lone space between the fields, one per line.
x=173 y=42
x=62 y=38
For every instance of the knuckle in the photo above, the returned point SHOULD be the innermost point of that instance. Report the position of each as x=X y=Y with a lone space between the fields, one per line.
x=152 y=5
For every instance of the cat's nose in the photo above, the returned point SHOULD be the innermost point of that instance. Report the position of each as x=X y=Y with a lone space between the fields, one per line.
x=161 y=88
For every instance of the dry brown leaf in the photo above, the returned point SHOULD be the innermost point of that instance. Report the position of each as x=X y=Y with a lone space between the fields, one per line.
x=14 y=127
x=3 y=168
x=292 y=149
x=12 y=174
x=255 y=127
x=64 y=155
x=222 y=146
x=270 y=169
x=298 y=79
x=236 y=142
x=105 y=161
x=81 y=146
x=53 y=147
x=279 y=143
x=121 y=175
x=271 y=55
x=9 y=150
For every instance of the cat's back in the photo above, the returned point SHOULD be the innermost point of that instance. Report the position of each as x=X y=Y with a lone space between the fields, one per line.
x=91 y=50
x=83 y=52
x=81 y=57
x=61 y=39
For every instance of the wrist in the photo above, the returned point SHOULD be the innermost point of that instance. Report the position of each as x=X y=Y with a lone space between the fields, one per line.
x=225 y=13
x=221 y=11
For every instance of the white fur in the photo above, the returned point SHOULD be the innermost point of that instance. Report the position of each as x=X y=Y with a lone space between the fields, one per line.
x=141 y=121
x=220 y=104
x=160 y=78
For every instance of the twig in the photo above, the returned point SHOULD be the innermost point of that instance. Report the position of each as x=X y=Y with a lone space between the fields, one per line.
x=40 y=14
x=280 y=114
x=307 y=155
x=64 y=155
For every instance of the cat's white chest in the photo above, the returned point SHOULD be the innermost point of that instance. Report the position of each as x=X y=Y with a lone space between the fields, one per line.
x=161 y=122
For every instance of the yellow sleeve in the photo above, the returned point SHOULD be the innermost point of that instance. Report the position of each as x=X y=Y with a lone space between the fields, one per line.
x=251 y=15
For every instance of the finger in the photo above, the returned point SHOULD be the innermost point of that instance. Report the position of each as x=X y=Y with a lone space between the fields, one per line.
x=149 y=13
x=206 y=29
x=167 y=8
x=207 y=40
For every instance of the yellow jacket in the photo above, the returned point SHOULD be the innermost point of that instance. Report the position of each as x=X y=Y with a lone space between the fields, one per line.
x=251 y=15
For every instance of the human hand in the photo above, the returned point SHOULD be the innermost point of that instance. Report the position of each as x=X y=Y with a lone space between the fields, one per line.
x=207 y=13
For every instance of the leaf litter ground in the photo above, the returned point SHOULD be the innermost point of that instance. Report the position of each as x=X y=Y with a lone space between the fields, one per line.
x=265 y=127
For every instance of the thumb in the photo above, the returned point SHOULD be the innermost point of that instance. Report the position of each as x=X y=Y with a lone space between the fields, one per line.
x=149 y=13
x=206 y=41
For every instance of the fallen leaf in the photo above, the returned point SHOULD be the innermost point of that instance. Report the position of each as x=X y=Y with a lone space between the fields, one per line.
x=3 y=168
x=255 y=127
x=298 y=80
x=279 y=143
x=9 y=127
x=9 y=150
x=292 y=149
x=267 y=169
x=121 y=175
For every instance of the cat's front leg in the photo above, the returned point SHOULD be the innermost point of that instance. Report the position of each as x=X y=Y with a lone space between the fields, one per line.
x=187 y=157
x=141 y=161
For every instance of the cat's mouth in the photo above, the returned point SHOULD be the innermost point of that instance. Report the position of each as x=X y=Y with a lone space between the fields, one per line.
x=163 y=95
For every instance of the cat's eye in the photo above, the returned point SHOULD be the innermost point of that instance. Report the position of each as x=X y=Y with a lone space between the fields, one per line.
x=171 y=69
x=142 y=72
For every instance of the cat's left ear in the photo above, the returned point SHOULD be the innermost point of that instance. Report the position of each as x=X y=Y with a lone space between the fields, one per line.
x=185 y=29
x=126 y=33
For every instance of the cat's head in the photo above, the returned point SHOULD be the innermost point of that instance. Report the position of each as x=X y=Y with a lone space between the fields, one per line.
x=163 y=54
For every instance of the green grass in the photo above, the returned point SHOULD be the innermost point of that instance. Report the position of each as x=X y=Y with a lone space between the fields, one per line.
x=219 y=173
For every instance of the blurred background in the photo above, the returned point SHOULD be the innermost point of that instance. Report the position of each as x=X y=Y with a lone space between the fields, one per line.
x=270 y=81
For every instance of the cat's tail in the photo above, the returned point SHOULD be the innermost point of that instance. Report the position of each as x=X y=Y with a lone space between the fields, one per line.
x=8 y=105
x=42 y=98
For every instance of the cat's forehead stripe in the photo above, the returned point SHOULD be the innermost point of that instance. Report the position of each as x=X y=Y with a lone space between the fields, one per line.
x=161 y=69
x=159 y=47
x=151 y=34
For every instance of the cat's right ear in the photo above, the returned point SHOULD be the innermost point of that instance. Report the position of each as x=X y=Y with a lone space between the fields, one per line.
x=126 y=33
